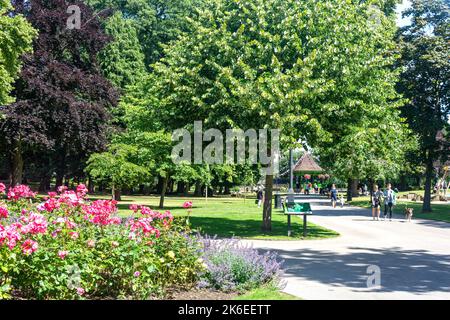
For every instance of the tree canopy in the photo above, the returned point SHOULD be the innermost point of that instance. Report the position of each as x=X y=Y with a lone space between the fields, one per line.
x=62 y=99
x=16 y=36
x=425 y=81
x=315 y=70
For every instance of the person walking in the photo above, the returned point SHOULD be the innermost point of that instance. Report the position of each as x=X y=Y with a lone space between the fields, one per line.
x=260 y=197
x=389 y=197
x=377 y=196
x=334 y=195
x=365 y=189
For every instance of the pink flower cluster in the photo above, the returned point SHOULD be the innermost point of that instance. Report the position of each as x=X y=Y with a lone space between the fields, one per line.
x=19 y=192
x=187 y=205
x=143 y=227
x=29 y=246
x=101 y=212
x=2 y=188
x=34 y=224
x=10 y=235
x=3 y=211
x=67 y=207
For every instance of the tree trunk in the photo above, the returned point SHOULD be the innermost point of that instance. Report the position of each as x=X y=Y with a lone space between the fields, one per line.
x=117 y=195
x=428 y=181
x=198 y=189
x=349 y=189
x=403 y=183
x=16 y=164
x=267 y=209
x=227 y=189
x=59 y=179
x=186 y=189
x=159 y=186
x=90 y=185
x=163 y=192
x=180 y=187
x=44 y=184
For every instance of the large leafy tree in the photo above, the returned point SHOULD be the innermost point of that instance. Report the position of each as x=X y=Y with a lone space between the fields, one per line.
x=309 y=68
x=118 y=168
x=157 y=21
x=62 y=99
x=16 y=36
x=122 y=60
x=425 y=80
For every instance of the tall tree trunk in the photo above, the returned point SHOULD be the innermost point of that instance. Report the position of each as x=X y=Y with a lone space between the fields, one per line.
x=180 y=187
x=428 y=181
x=267 y=209
x=117 y=194
x=349 y=189
x=59 y=179
x=16 y=164
x=403 y=183
x=227 y=188
x=44 y=183
x=159 y=186
x=186 y=189
x=198 y=189
x=354 y=188
x=90 y=185
x=165 y=181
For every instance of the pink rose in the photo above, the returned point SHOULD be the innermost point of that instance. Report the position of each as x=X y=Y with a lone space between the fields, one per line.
x=29 y=246
x=3 y=212
x=80 y=291
x=62 y=254
x=187 y=205
x=74 y=235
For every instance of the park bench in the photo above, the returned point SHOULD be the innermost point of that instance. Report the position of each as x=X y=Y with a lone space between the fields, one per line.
x=297 y=208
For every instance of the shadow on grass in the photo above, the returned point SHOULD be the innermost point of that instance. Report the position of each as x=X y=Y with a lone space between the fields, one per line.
x=250 y=228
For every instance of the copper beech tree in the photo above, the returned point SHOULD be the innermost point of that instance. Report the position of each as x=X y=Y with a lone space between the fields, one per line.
x=61 y=112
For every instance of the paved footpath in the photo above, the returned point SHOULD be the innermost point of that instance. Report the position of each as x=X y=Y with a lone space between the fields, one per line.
x=414 y=258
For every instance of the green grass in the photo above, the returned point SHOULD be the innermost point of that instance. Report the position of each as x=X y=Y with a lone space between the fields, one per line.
x=228 y=217
x=266 y=293
x=441 y=211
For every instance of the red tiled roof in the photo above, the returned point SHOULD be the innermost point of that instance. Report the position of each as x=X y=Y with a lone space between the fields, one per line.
x=307 y=164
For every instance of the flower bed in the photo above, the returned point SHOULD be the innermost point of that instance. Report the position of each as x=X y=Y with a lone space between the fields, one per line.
x=68 y=247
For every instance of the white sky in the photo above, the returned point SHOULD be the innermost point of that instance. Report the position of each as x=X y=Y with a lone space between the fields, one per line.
x=400 y=8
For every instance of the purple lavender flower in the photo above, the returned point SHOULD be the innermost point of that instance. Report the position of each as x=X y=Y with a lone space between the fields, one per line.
x=232 y=266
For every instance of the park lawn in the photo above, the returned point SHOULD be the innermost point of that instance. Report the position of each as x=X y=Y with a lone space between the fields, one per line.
x=265 y=293
x=229 y=217
x=441 y=212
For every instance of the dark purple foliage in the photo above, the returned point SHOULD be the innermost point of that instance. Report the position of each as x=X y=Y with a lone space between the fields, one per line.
x=235 y=266
x=62 y=100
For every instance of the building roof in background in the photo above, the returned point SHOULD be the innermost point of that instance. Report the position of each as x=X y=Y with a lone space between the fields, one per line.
x=307 y=164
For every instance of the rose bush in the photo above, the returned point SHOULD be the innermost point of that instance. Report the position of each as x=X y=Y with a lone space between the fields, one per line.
x=68 y=247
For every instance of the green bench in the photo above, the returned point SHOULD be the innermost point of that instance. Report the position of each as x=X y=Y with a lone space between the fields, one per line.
x=297 y=209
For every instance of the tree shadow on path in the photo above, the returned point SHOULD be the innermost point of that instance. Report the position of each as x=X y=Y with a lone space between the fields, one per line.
x=414 y=271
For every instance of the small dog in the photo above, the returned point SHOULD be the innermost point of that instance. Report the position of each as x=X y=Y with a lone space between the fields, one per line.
x=408 y=214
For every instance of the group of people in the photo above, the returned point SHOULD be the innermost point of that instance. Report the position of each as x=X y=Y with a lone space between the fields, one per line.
x=388 y=197
x=334 y=195
x=441 y=187
x=310 y=187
